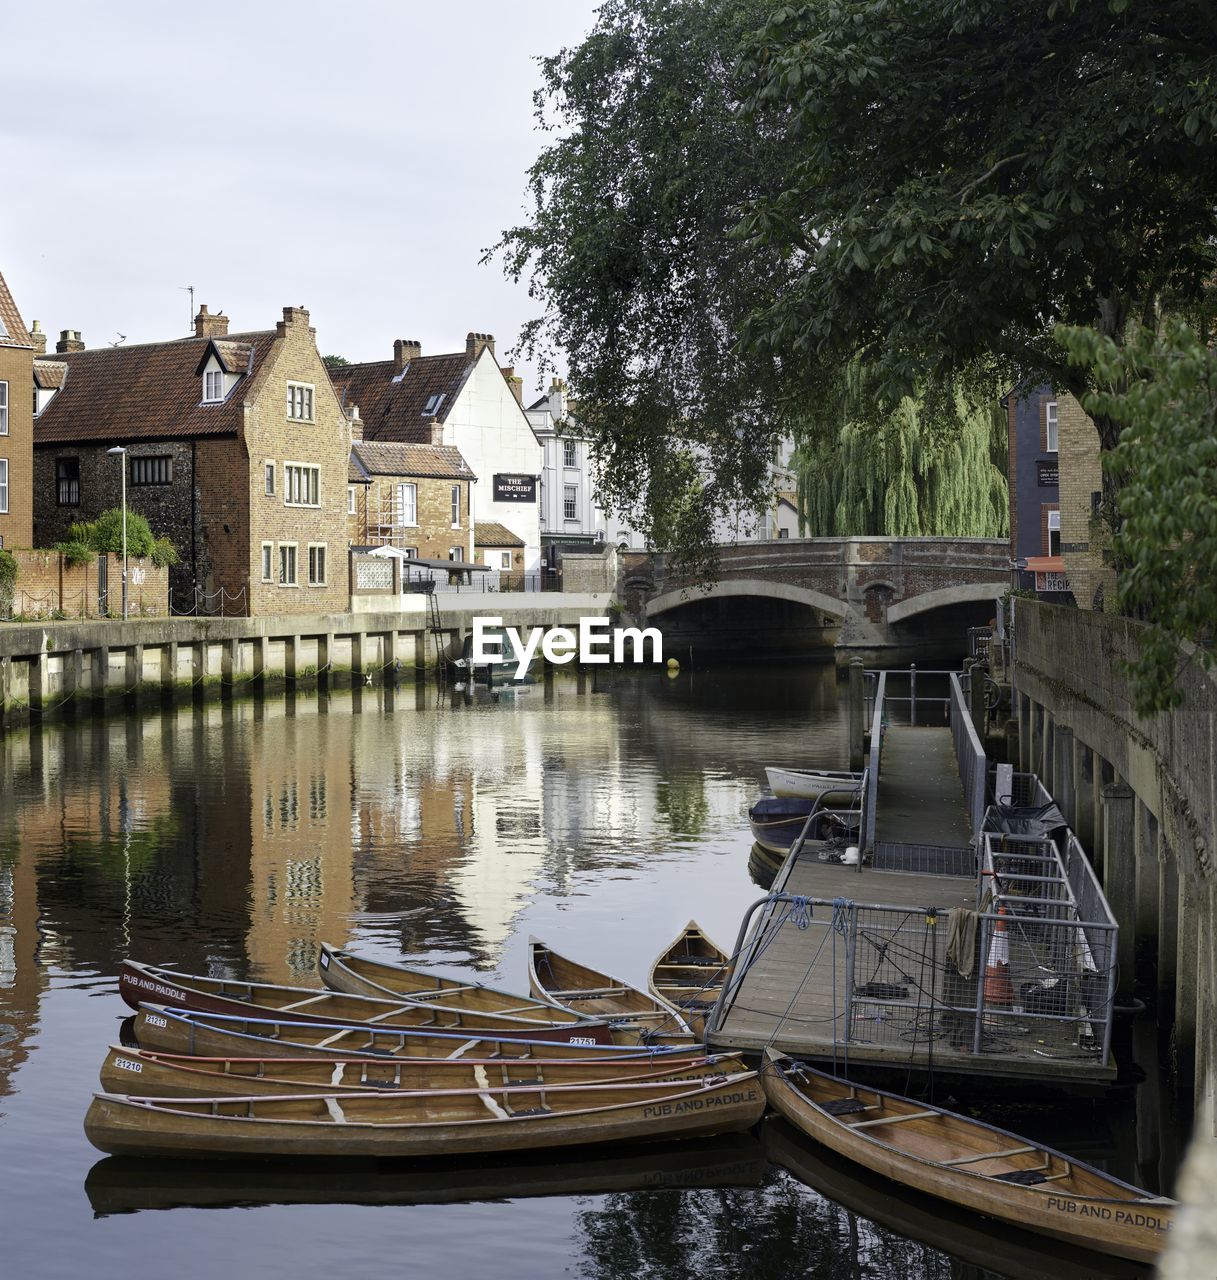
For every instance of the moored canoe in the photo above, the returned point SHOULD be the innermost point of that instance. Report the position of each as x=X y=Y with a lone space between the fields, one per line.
x=834 y=785
x=689 y=976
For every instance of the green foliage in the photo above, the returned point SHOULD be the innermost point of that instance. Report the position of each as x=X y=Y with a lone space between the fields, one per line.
x=1161 y=388
x=335 y=362
x=106 y=534
x=8 y=578
x=75 y=551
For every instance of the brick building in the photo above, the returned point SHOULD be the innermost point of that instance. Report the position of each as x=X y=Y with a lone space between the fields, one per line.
x=237 y=451
x=1035 y=521
x=415 y=497
x=16 y=425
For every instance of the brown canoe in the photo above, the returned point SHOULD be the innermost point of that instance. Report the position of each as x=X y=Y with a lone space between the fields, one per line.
x=571 y=985
x=428 y=1123
x=356 y=975
x=971 y=1164
x=168 y=1075
x=689 y=976
x=143 y=984
x=219 y=1035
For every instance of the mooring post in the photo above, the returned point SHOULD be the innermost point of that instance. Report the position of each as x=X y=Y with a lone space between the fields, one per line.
x=857 y=713
x=912 y=693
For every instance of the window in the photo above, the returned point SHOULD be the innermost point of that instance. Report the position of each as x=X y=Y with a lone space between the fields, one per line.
x=270 y=479
x=1050 y=427
x=456 y=506
x=411 y=553
x=1096 y=502
x=156 y=470
x=300 y=402
x=316 y=564
x=67 y=482
x=267 y=561
x=569 y=457
x=213 y=385
x=301 y=485
x=506 y=559
x=3 y=486
x=351 y=500
x=456 y=553
x=1054 y=533
x=3 y=408
x=431 y=408
x=407 y=504
x=287 y=564
x=570 y=502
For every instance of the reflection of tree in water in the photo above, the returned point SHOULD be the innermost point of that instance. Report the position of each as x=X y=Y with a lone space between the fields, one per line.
x=681 y=801
x=784 y=1230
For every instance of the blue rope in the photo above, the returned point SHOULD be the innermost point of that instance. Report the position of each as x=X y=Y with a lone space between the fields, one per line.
x=800 y=912
x=840 y=915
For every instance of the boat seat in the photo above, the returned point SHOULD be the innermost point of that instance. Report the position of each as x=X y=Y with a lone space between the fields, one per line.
x=532 y=1111
x=1023 y=1177
x=897 y=1119
x=844 y=1106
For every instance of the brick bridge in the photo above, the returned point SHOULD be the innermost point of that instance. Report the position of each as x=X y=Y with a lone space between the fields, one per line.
x=869 y=593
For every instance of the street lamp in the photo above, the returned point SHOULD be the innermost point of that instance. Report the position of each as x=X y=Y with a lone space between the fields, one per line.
x=120 y=452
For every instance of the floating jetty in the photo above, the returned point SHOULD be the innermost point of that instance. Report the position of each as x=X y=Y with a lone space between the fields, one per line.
x=972 y=941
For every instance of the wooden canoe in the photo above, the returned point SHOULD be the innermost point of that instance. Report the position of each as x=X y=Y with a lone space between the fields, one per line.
x=971 y=1164
x=356 y=975
x=571 y=985
x=427 y=1123
x=170 y=1075
x=689 y=976
x=219 y=1035
x=140 y=983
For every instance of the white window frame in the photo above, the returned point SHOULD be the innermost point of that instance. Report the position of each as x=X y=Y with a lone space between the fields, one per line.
x=1054 y=526
x=433 y=405
x=352 y=500
x=456 y=506
x=324 y=580
x=270 y=479
x=1052 y=428
x=304 y=468
x=3 y=486
x=570 y=453
x=399 y=506
x=294 y=548
x=456 y=553
x=570 y=502
x=3 y=408
x=213 y=386
x=300 y=401
x=410 y=553
x=505 y=560
x=268 y=562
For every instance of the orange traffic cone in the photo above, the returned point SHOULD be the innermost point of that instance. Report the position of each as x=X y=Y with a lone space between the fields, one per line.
x=998 y=988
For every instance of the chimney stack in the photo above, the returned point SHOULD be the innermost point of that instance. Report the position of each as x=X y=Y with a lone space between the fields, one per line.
x=557 y=399
x=355 y=421
x=293 y=318
x=208 y=326
x=69 y=340
x=405 y=350
x=516 y=384
x=38 y=338
x=435 y=429
x=476 y=343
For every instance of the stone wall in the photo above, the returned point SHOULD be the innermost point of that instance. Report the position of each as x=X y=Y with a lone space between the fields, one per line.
x=592 y=571
x=47 y=585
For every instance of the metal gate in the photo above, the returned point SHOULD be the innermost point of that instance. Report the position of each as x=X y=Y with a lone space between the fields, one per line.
x=103 y=585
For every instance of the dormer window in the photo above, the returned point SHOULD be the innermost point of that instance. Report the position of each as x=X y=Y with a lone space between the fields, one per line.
x=300 y=402
x=431 y=408
x=213 y=385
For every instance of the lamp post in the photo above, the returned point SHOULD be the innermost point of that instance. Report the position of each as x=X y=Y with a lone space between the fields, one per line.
x=121 y=453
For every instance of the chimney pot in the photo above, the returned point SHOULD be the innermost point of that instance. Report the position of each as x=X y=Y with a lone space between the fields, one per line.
x=207 y=325
x=405 y=350
x=69 y=340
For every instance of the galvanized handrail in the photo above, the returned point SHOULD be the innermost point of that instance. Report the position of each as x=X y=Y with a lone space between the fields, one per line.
x=969 y=754
x=871 y=807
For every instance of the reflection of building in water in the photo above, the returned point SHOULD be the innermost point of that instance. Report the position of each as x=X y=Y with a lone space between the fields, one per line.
x=21 y=980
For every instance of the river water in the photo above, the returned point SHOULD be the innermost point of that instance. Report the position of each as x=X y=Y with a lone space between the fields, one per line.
x=600 y=814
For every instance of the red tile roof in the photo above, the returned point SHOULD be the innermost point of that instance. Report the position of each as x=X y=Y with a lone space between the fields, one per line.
x=489 y=533
x=392 y=405
x=146 y=391
x=49 y=373
x=432 y=461
x=13 y=332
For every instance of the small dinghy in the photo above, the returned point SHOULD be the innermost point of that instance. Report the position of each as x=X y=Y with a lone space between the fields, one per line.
x=571 y=985
x=171 y=1075
x=689 y=976
x=225 y=1035
x=141 y=983
x=777 y=822
x=427 y=1123
x=971 y=1164
x=829 y=786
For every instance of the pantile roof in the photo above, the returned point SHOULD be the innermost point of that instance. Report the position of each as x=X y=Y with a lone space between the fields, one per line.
x=434 y=461
x=13 y=332
x=489 y=533
x=49 y=374
x=399 y=407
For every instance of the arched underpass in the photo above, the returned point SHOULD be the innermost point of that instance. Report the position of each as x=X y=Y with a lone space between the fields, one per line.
x=743 y=623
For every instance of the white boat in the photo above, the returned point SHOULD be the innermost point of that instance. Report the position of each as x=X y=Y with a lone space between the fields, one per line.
x=811 y=784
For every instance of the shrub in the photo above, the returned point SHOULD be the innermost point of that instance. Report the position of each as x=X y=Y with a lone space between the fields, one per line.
x=8 y=576
x=75 y=552
x=106 y=534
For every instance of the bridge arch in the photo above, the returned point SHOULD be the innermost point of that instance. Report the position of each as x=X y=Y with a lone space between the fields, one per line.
x=964 y=593
x=747 y=587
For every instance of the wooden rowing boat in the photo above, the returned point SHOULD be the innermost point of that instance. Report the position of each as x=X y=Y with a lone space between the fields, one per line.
x=119 y=1184
x=969 y=1237
x=689 y=976
x=777 y=822
x=356 y=975
x=571 y=985
x=427 y=1123
x=971 y=1164
x=830 y=786
x=140 y=983
x=171 y=1075
x=219 y=1035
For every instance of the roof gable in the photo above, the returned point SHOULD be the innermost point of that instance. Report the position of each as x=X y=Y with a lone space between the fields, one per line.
x=13 y=332
x=397 y=407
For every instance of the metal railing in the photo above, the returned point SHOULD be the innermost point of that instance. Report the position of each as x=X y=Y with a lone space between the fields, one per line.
x=916 y=700
x=969 y=755
x=870 y=805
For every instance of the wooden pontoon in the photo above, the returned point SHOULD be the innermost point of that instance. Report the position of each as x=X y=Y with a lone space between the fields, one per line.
x=219 y=1035
x=689 y=976
x=357 y=975
x=429 y=1123
x=971 y=1164
x=570 y=985
x=171 y=1075
x=139 y=983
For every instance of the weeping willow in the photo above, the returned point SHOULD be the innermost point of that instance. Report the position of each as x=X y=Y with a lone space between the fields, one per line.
x=932 y=466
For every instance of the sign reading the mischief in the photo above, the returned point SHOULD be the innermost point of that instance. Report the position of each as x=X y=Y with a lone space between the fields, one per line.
x=515 y=488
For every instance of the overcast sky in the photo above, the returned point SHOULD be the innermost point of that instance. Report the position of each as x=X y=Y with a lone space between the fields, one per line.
x=354 y=158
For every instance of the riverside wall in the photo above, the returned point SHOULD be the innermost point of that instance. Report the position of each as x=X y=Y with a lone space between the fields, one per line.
x=1142 y=795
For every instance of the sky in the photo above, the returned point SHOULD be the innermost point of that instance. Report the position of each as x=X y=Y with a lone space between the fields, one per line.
x=355 y=158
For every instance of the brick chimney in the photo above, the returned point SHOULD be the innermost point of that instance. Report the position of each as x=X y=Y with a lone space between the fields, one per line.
x=435 y=430
x=557 y=399
x=69 y=340
x=405 y=350
x=476 y=343
x=516 y=384
x=293 y=318
x=208 y=326
x=38 y=338
x=355 y=421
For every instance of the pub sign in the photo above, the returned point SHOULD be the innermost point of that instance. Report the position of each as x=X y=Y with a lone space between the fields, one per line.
x=515 y=488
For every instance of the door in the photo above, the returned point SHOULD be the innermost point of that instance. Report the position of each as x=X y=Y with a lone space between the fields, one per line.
x=103 y=585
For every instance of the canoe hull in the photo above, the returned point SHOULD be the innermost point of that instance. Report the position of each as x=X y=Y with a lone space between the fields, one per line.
x=689 y=976
x=810 y=784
